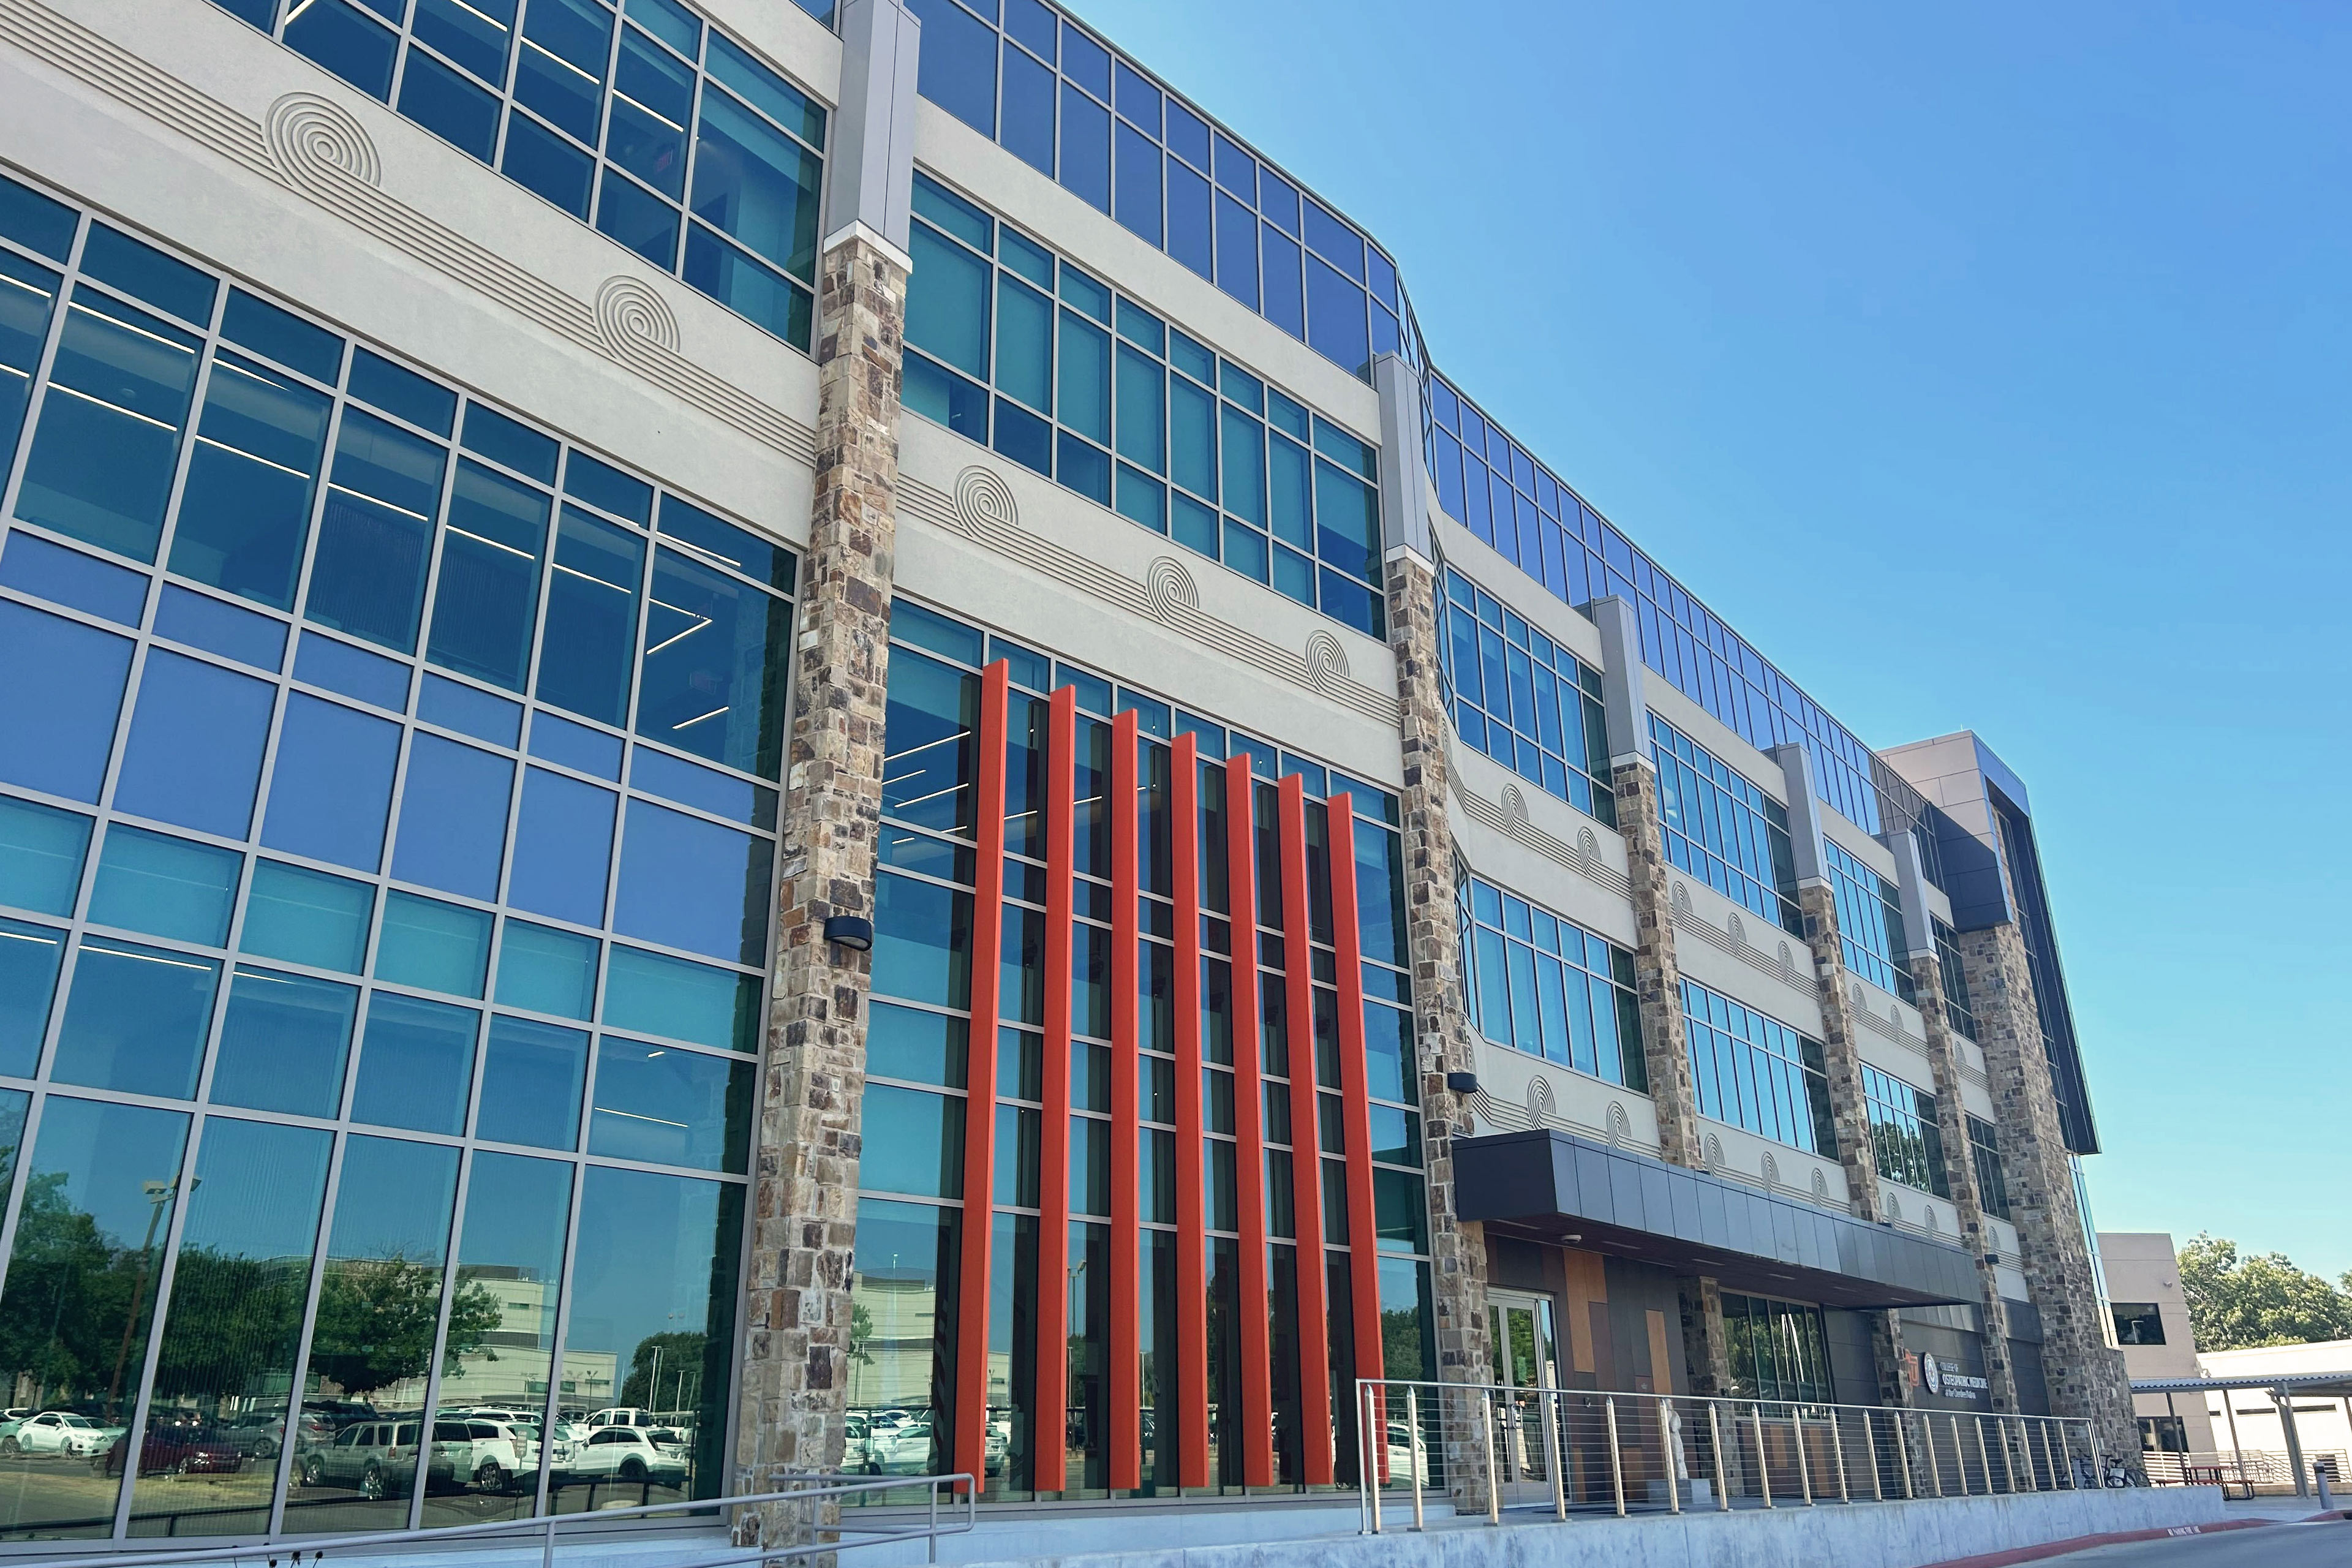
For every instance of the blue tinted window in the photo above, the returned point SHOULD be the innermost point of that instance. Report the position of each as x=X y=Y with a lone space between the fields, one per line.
x=41 y=851
x=737 y=549
x=691 y=884
x=575 y=746
x=486 y=599
x=307 y=917
x=195 y=756
x=531 y=1077
x=563 y=848
x=1139 y=182
x=283 y=336
x=283 y=1043
x=35 y=222
x=203 y=622
x=136 y=1020
x=656 y=772
x=433 y=945
x=1334 y=241
x=30 y=959
x=108 y=437
x=395 y=389
x=416 y=1064
x=453 y=817
x=1335 y=319
x=34 y=565
x=375 y=533
x=245 y=508
x=331 y=786
x=504 y=441
x=1028 y=130
x=602 y=485
x=654 y=994
x=1285 y=300
x=766 y=91
x=670 y=1107
x=756 y=185
x=1086 y=62
x=171 y=888
x=714 y=666
x=543 y=970
x=587 y=649
x=339 y=667
x=1086 y=148
x=144 y=272
x=454 y=706
x=26 y=293
x=346 y=41
x=958 y=69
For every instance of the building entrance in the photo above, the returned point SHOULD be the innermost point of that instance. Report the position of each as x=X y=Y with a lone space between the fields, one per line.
x=1526 y=1363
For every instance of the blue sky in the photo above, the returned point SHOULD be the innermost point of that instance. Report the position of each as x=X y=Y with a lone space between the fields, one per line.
x=1988 y=367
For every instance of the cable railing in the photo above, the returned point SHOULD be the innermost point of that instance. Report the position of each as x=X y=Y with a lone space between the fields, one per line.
x=800 y=1516
x=1577 y=1450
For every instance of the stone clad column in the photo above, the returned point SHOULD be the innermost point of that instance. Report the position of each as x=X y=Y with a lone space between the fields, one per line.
x=1840 y=1050
x=2085 y=1375
x=1952 y=1117
x=1658 y=973
x=1442 y=1042
x=805 y=1193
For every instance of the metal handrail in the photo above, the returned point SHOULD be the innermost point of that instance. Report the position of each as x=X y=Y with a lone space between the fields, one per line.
x=288 y=1552
x=1905 y=1452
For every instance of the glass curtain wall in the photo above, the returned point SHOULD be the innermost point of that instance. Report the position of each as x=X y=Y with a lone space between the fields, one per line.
x=1133 y=1259
x=1544 y=985
x=1992 y=1180
x=644 y=120
x=1870 y=923
x=1077 y=112
x=1723 y=829
x=1904 y=1134
x=1105 y=398
x=386 y=844
x=1753 y=1072
x=1779 y=1350
x=1522 y=700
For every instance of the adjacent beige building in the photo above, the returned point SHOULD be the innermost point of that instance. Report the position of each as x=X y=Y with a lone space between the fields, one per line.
x=2151 y=1326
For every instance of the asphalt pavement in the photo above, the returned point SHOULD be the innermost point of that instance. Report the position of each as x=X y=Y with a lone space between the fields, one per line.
x=2327 y=1544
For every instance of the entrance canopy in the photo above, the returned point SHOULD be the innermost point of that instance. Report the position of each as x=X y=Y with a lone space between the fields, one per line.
x=2323 y=1385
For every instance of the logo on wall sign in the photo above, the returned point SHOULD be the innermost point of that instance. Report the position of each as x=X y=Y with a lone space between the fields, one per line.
x=1932 y=1374
x=1947 y=1381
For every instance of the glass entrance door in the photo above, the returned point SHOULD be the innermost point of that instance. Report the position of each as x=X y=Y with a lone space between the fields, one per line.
x=1526 y=1363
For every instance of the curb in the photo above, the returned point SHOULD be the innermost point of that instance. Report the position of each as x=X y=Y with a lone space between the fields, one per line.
x=2113 y=1538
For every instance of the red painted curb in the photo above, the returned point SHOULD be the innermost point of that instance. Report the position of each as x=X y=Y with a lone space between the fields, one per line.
x=2084 y=1542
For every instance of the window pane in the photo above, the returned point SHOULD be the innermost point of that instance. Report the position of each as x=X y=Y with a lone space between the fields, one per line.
x=108 y=439
x=947 y=315
x=136 y=1020
x=913 y=1141
x=563 y=848
x=340 y=38
x=438 y=946
x=643 y=221
x=374 y=537
x=283 y=1044
x=958 y=69
x=307 y=917
x=922 y=942
x=245 y=508
x=652 y=993
x=561 y=70
x=1086 y=148
x=171 y=888
x=232 y=1330
x=83 y=1275
x=449 y=106
x=931 y=715
x=195 y=755
x=331 y=786
x=1139 y=182
x=1085 y=378
x=59 y=707
x=379 y=1312
x=756 y=185
x=1027 y=131
x=1143 y=410
x=30 y=959
x=653 y=1287
x=904 y=1274
x=26 y=293
x=41 y=851
x=652 y=101
x=453 y=817
x=547 y=971
x=531 y=1078
x=589 y=646
x=692 y=884
x=671 y=1107
x=416 y=1064
x=714 y=666
x=486 y=598
x=498 y=1345
x=1024 y=341
x=538 y=160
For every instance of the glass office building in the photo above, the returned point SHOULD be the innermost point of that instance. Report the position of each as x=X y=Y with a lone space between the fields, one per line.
x=412 y=713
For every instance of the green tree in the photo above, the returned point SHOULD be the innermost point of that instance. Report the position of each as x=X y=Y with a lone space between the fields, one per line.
x=2236 y=1303
x=679 y=1361
x=376 y=1317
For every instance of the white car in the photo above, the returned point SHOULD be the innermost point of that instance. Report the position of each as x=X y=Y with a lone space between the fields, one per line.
x=629 y=1452
x=59 y=1432
x=1408 y=1456
x=487 y=1456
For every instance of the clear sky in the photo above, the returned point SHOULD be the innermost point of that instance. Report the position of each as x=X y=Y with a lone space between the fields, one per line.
x=1990 y=367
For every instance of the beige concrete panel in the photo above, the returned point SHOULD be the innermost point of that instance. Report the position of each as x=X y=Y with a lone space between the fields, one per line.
x=1745 y=1153
x=1796 y=1003
x=1600 y=907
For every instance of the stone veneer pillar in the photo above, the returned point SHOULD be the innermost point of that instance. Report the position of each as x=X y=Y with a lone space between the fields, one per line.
x=1442 y=1043
x=1951 y=1118
x=2083 y=1373
x=795 y=1383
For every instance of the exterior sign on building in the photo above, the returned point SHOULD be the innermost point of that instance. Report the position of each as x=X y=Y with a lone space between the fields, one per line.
x=1944 y=1381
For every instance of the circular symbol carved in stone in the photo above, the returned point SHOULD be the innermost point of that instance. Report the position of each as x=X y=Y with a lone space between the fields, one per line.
x=314 y=139
x=1620 y=1126
x=1714 y=1152
x=1327 y=663
x=629 y=314
x=1772 y=1172
x=1514 y=808
x=1170 y=589
x=1587 y=845
x=984 y=503
x=1820 y=1183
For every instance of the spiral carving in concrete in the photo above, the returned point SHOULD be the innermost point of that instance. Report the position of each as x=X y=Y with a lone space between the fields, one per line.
x=1820 y=1183
x=1515 y=809
x=1620 y=1126
x=1714 y=1152
x=1680 y=897
x=1327 y=664
x=1539 y=1104
x=985 y=503
x=317 y=141
x=1169 y=590
x=630 y=315
x=1772 y=1172
x=1587 y=845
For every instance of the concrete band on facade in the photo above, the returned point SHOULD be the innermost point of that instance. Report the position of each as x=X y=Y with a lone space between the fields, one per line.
x=970 y=1201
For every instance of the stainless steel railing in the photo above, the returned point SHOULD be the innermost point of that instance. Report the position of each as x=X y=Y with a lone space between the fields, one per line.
x=1490 y=1449
x=800 y=1517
